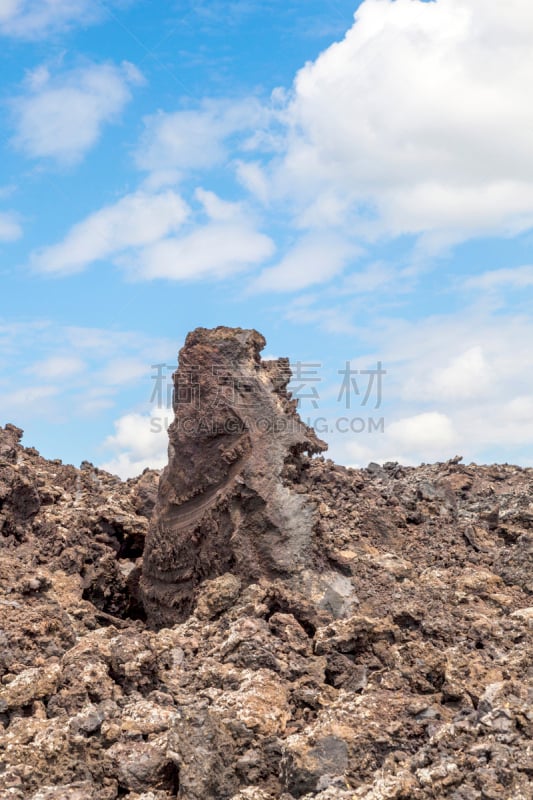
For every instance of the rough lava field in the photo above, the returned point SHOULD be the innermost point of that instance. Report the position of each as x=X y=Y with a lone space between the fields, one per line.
x=257 y=622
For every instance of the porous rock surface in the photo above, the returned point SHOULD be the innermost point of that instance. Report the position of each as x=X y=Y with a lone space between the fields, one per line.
x=256 y=680
x=230 y=499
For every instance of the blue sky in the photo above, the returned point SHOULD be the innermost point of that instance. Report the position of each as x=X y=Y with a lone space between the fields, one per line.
x=352 y=179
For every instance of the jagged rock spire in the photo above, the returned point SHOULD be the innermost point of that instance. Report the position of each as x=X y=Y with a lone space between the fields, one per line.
x=227 y=501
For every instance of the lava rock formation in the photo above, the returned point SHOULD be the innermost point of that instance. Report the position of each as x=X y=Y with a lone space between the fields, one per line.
x=228 y=500
x=259 y=623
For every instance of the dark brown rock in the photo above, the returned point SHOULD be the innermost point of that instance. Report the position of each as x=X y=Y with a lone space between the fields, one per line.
x=226 y=500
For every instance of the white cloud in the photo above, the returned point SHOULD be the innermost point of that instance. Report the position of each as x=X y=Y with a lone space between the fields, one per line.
x=254 y=179
x=140 y=441
x=430 y=433
x=135 y=433
x=119 y=372
x=316 y=258
x=499 y=426
x=426 y=437
x=216 y=208
x=8 y=9
x=467 y=375
x=136 y=220
x=408 y=439
x=109 y=343
x=65 y=373
x=10 y=229
x=373 y=277
x=61 y=117
x=33 y=19
x=305 y=310
x=455 y=383
x=507 y=278
x=417 y=122
x=37 y=400
x=96 y=400
x=138 y=233
x=521 y=408
x=178 y=142
x=57 y=367
x=214 y=250
x=465 y=360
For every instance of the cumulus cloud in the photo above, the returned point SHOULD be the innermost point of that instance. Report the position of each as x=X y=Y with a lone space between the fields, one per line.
x=464 y=360
x=431 y=432
x=252 y=176
x=416 y=122
x=62 y=116
x=140 y=441
x=136 y=220
x=223 y=243
x=214 y=250
x=218 y=209
x=139 y=233
x=466 y=375
x=177 y=142
x=455 y=383
x=426 y=437
x=34 y=19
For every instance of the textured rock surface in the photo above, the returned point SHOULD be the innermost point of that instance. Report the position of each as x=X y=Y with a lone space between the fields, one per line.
x=422 y=689
x=228 y=499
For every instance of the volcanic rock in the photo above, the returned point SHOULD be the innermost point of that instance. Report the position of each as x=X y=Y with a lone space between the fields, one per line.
x=227 y=501
x=378 y=645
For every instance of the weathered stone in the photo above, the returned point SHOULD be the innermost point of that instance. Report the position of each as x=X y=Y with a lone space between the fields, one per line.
x=217 y=595
x=309 y=768
x=142 y=765
x=227 y=500
x=30 y=685
x=392 y=661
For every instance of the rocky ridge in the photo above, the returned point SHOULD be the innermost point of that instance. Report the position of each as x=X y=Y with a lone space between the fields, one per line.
x=258 y=681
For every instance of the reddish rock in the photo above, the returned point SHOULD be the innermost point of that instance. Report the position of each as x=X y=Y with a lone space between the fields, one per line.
x=377 y=647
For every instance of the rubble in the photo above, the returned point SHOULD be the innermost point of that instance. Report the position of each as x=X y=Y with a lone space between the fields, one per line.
x=392 y=659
